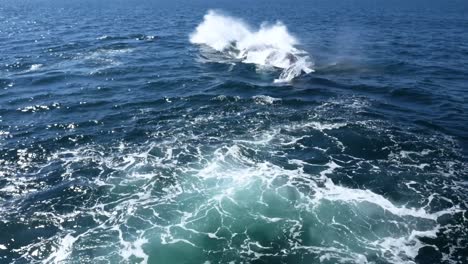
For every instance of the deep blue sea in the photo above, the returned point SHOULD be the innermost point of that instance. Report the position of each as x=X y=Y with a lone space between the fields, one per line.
x=205 y=132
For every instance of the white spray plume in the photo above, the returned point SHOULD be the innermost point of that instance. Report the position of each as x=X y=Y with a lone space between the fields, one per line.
x=270 y=45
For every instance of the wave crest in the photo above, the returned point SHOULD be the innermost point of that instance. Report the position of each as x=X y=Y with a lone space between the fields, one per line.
x=270 y=45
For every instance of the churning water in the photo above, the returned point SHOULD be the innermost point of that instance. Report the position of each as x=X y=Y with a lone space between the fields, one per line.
x=270 y=46
x=247 y=132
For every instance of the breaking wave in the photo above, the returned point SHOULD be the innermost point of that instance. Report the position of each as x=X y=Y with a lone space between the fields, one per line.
x=270 y=45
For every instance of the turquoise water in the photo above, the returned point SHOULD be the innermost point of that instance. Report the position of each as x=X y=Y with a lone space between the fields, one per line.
x=233 y=132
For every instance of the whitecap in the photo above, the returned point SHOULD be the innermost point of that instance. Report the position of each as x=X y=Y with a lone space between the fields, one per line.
x=265 y=99
x=35 y=67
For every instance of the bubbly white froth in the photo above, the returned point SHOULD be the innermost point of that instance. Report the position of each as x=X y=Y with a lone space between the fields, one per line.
x=270 y=45
x=175 y=190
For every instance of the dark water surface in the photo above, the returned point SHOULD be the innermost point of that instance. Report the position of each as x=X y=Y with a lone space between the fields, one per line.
x=123 y=142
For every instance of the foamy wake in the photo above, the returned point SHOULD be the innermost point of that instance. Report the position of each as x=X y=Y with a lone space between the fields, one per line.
x=270 y=45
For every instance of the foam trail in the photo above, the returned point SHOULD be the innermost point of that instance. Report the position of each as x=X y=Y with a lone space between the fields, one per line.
x=270 y=45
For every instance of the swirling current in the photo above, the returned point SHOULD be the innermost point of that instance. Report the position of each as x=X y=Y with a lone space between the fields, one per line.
x=233 y=132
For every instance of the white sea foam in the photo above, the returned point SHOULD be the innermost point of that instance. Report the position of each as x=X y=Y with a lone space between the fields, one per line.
x=265 y=99
x=102 y=37
x=404 y=246
x=217 y=191
x=36 y=108
x=35 y=67
x=63 y=250
x=271 y=45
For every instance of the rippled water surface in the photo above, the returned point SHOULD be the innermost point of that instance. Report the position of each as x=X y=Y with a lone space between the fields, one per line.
x=257 y=132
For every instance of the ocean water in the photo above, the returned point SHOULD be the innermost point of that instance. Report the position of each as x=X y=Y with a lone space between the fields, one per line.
x=233 y=131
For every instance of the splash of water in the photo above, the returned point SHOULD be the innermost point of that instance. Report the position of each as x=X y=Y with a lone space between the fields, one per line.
x=270 y=45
